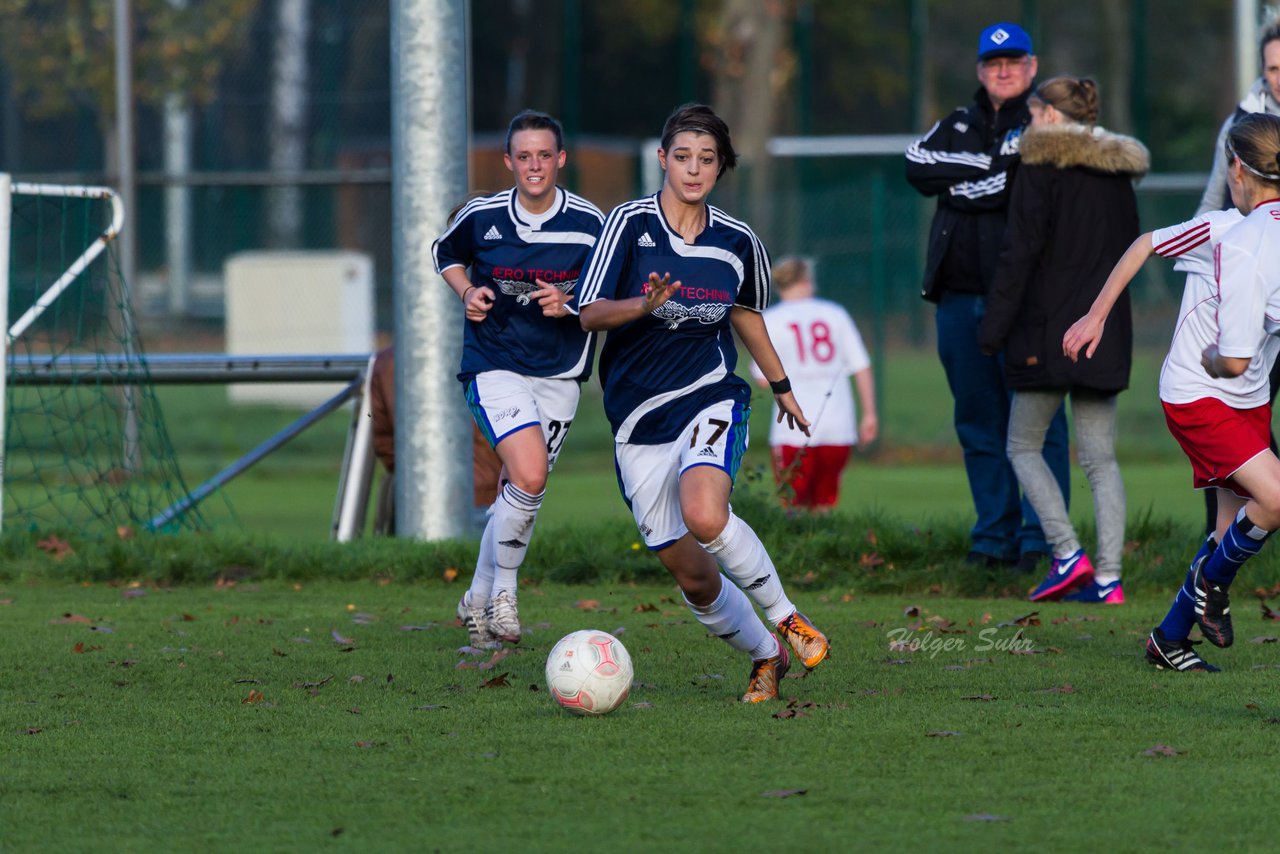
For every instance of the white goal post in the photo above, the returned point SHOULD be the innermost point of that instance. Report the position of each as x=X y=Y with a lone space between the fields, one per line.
x=8 y=189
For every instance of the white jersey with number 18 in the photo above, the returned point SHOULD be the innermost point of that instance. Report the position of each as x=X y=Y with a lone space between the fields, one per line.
x=820 y=349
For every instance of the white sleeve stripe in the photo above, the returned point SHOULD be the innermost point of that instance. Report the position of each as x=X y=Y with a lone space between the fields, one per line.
x=919 y=154
x=759 y=256
x=606 y=245
x=992 y=186
x=1185 y=242
x=482 y=203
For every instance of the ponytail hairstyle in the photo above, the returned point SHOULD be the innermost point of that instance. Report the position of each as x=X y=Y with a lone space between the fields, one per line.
x=699 y=118
x=1255 y=140
x=1074 y=97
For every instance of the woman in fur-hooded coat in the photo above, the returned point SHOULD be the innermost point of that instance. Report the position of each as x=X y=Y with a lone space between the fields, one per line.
x=1072 y=214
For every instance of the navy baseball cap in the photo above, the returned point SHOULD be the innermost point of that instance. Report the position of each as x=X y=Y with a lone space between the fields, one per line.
x=1003 y=39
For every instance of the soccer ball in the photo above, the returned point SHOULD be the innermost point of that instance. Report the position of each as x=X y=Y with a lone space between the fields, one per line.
x=589 y=672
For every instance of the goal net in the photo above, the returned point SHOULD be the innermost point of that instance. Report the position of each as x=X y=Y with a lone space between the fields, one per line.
x=85 y=445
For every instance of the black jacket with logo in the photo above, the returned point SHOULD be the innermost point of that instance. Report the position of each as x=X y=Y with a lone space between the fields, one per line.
x=968 y=161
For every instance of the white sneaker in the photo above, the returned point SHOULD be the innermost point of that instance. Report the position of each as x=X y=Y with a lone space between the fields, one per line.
x=504 y=619
x=476 y=622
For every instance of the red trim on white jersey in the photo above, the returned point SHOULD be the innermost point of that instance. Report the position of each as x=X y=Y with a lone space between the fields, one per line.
x=1184 y=242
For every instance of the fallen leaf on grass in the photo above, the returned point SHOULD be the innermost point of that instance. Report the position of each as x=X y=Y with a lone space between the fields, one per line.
x=368 y=744
x=339 y=639
x=499 y=681
x=587 y=604
x=783 y=793
x=353 y=711
x=66 y=619
x=55 y=546
x=34 y=730
x=255 y=696
x=1032 y=619
x=450 y=574
x=986 y=698
x=309 y=685
x=133 y=592
x=790 y=713
x=1268 y=614
x=911 y=611
x=983 y=816
x=1161 y=750
x=275 y=651
x=644 y=608
x=869 y=560
x=1065 y=688
x=1264 y=639
x=128 y=662
x=356 y=679
x=431 y=707
x=897 y=661
x=426 y=627
x=81 y=648
x=941 y=734
x=643 y=704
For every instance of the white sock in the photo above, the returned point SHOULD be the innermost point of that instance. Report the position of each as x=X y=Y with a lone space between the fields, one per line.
x=732 y=619
x=1102 y=578
x=744 y=558
x=514 y=512
x=482 y=581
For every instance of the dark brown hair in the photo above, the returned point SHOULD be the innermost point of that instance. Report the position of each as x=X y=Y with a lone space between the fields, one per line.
x=1074 y=97
x=533 y=120
x=1270 y=33
x=699 y=118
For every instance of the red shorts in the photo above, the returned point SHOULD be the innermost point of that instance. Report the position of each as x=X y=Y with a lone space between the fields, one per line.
x=812 y=474
x=1218 y=439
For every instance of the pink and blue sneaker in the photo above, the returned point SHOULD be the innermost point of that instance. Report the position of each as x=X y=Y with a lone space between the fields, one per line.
x=1098 y=594
x=1065 y=574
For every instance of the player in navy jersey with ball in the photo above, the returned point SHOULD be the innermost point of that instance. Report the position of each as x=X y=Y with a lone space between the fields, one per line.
x=672 y=279
x=514 y=259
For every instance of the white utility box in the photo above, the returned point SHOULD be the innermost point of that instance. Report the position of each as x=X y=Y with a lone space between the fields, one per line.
x=297 y=304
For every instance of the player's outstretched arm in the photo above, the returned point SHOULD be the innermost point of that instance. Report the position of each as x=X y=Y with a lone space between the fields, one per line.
x=607 y=314
x=755 y=337
x=1087 y=331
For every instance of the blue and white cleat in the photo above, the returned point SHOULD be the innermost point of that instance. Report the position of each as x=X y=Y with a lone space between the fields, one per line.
x=1065 y=575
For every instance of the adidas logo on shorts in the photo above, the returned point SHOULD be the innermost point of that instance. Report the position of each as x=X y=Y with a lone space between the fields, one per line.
x=708 y=451
x=646 y=241
x=493 y=233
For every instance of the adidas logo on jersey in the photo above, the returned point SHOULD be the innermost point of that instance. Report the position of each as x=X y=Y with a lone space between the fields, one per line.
x=708 y=451
x=493 y=233
x=646 y=241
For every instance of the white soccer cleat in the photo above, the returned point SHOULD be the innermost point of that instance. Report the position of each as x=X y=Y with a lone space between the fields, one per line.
x=476 y=622
x=504 y=619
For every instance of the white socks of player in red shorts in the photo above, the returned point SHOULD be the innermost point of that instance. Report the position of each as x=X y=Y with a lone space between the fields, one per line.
x=514 y=513
x=744 y=558
x=732 y=619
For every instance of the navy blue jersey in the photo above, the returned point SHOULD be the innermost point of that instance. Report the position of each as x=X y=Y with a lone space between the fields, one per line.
x=660 y=371
x=507 y=252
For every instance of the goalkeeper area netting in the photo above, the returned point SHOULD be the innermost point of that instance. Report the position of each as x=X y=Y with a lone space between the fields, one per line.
x=85 y=444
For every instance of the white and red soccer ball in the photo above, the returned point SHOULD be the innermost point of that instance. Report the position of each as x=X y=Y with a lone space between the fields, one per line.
x=589 y=672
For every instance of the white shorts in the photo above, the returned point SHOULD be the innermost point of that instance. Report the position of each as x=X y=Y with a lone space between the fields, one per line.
x=503 y=402
x=649 y=475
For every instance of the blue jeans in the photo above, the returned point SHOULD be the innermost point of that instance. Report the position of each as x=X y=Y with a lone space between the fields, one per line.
x=1007 y=525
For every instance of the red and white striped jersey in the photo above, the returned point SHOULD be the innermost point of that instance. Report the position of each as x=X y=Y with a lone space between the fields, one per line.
x=1234 y=305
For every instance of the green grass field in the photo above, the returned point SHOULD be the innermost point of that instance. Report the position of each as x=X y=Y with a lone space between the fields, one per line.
x=315 y=695
x=287 y=717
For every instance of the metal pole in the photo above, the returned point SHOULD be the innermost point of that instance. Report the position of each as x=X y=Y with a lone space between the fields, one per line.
x=1245 y=27
x=357 y=465
x=128 y=240
x=429 y=124
x=6 y=218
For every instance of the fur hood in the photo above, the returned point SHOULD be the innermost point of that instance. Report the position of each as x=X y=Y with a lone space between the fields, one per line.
x=1064 y=146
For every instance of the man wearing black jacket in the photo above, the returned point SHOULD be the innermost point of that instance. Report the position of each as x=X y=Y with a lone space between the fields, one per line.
x=968 y=161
